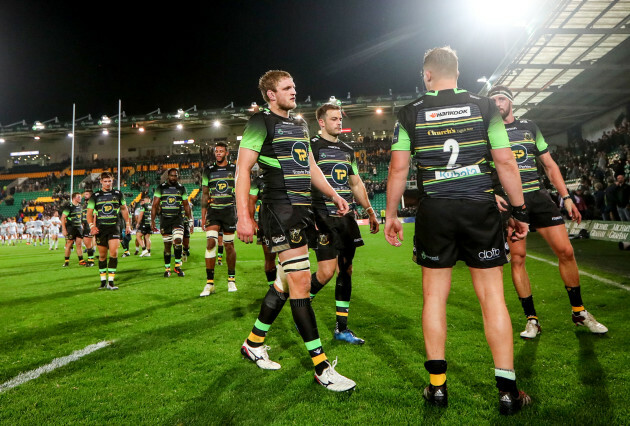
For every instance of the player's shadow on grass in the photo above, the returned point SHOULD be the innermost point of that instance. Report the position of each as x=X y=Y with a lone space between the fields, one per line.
x=593 y=380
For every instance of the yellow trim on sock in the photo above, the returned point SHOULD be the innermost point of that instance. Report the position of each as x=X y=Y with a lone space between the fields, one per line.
x=577 y=309
x=342 y=314
x=437 y=379
x=256 y=339
x=319 y=359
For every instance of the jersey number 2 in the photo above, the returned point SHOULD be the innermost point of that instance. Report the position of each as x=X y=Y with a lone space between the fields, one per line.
x=453 y=146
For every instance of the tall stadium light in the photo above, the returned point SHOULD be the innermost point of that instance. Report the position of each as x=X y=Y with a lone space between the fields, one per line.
x=72 y=150
x=119 y=115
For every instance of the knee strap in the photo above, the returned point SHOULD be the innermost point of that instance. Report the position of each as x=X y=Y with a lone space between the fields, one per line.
x=228 y=238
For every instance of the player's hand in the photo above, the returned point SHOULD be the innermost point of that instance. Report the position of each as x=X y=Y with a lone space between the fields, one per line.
x=128 y=230
x=342 y=205
x=393 y=231
x=64 y=233
x=191 y=226
x=517 y=230
x=94 y=230
x=245 y=230
x=373 y=224
x=502 y=205
x=153 y=227
x=573 y=211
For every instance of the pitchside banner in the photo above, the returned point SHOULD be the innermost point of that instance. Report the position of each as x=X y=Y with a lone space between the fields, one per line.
x=600 y=230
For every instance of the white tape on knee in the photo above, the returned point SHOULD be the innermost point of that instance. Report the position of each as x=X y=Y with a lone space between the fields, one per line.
x=212 y=234
x=295 y=264
x=178 y=234
x=281 y=282
x=167 y=238
x=210 y=254
x=228 y=238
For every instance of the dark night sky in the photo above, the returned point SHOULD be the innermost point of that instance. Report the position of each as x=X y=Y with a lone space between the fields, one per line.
x=54 y=54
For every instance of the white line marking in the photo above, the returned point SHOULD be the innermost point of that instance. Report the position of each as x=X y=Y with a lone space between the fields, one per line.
x=595 y=277
x=54 y=364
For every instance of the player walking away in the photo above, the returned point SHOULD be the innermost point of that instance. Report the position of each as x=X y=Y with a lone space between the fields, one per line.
x=29 y=232
x=38 y=232
x=136 y=226
x=168 y=199
x=88 y=238
x=72 y=229
x=256 y=191
x=339 y=236
x=11 y=231
x=45 y=229
x=103 y=210
x=218 y=214
x=20 y=230
x=3 y=232
x=530 y=150
x=143 y=230
x=55 y=226
x=280 y=143
x=451 y=133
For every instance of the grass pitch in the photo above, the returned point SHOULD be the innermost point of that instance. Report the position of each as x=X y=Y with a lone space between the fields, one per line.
x=175 y=357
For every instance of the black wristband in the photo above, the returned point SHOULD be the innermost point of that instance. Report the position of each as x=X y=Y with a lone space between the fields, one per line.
x=566 y=197
x=520 y=213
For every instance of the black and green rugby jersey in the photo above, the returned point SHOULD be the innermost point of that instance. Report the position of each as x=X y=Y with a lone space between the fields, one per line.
x=74 y=214
x=257 y=189
x=84 y=213
x=450 y=134
x=220 y=183
x=106 y=205
x=337 y=162
x=283 y=147
x=171 y=198
x=527 y=143
x=145 y=208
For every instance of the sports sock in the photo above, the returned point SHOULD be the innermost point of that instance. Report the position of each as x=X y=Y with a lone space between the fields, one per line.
x=111 y=269
x=231 y=275
x=343 y=291
x=316 y=286
x=304 y=319
x=209 y=276
x=271 y=306
x=102 y=270
x=178 y=256
x=220 y=253
x=67 y=260
x=528 y=306
x=437 y=371
x=575 y=298
x=271 y=276
x=506 y=381
x=90 y=253
x=167 y=260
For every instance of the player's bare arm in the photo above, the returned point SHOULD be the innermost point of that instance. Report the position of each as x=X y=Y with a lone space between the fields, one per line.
x=360 y=194
x=396 y=182
x=244 y=163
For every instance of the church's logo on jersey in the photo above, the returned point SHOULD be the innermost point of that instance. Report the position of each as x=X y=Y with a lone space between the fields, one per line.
x=222 y=186
x=520 y=153
x=339 y=174
x=299 y=151
x=441 y=114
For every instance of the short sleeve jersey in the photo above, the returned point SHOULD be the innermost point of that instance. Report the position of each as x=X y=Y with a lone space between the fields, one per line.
x=73 y=214
x=11 y=227
x=171 y=198
x=106 y=205
x=337 y=162
x=527 y=143
x=283 y=147
x=220 y=183
x=84 y=213
x=450 y=134
x=145 y=208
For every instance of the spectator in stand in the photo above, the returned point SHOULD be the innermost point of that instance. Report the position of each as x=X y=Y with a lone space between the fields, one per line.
x=623 y=198
x=600 y=201
x=610 y=197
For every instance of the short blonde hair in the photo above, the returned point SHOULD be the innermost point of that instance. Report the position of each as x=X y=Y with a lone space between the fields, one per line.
x=442 y=61
x=269 y=81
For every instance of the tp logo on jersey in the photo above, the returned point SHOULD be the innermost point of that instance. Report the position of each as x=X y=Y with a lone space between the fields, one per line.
x=222 y=186
x=170 y=200
x=107 y=208
x=339 y=174
x=299 y=151
x=520 y=153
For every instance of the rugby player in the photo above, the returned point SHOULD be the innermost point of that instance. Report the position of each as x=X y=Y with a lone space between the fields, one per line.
x=88 y=238
x=143 y=227
x=218 y=213
x=12 y=231
x=338 y=235
x=168 y=199
x=103 y=209
x=55 y=226
x=256 y=192
x=280 y=144
x=72 y=229
x=451 y=133
x=20 y=230
x=38 y=231
x=530 y=150
x=3 y=232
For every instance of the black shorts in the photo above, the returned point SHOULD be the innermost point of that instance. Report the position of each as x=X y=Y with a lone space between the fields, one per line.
x=225 y=219
x=74 y=232
x=286 y=226
x=543 y=212
x=168 y=224
x=335 y=234
x=452 y=230
x=186 y=228
x=106 y=233
x=145 y=230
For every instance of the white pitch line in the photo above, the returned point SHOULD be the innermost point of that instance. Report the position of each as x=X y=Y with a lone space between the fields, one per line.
x=54 y=364
x=595 y=277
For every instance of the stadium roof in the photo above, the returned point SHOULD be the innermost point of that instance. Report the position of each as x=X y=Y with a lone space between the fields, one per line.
x=570 y=67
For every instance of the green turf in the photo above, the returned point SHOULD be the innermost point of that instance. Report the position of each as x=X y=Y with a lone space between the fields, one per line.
x=175 y=357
